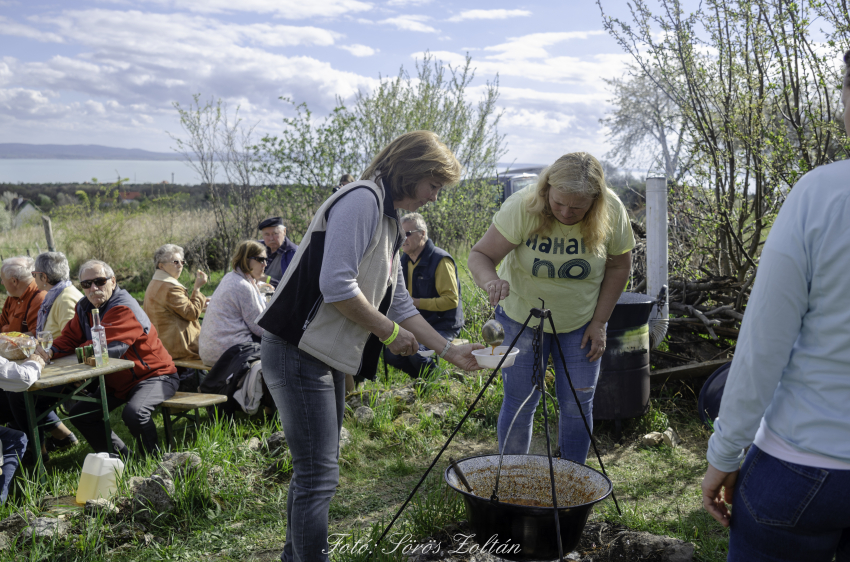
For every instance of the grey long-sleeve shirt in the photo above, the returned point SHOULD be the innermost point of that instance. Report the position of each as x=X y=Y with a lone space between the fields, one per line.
x=351 y=224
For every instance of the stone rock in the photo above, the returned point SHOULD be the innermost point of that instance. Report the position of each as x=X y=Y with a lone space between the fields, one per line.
x=151 y=495
x=276 y=442
x=652 y=439
x=439 y=411
x=344 y=438
x=100 y=507
x=177 y=465
x=354 y=402
x=671 y=438
x=14 y=524
x=404 y=395
x=364 y=415
x=644 y=546
x=407 y=419
x=254 y=444
x=46 y=528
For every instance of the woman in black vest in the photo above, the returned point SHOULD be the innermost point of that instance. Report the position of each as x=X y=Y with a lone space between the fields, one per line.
x=430 y=275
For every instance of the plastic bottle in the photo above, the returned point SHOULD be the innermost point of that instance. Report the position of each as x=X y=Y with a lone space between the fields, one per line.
x=99 y=476
x=98 y=339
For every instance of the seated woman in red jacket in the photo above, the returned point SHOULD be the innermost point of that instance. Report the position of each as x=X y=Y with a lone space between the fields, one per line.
x=130 y=335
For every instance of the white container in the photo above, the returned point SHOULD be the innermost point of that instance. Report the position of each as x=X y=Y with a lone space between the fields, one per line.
x=99 y=477
x=489 y=357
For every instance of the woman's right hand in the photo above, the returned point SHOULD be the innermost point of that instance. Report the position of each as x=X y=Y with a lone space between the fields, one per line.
x=497 y=290
x=404 y=344
x=200 y=279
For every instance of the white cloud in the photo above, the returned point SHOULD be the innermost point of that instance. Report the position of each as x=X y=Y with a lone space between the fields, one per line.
x=16 y=29
x=410 y=23
x=286 y=9
x=137 y=57
x=408 y=2
x=488 y=15
x=537 y=120
x=359 y=50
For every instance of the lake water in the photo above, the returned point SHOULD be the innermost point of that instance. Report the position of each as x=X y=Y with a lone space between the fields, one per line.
x=69 y=171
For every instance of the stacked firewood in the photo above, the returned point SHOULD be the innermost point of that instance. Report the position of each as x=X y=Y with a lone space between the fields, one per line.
x=715 y=304
x=712 y=304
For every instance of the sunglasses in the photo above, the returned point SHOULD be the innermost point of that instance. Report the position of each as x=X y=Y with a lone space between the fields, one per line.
x=407 y=233
x=258 y=259
x=179 y=262
x=99 y=281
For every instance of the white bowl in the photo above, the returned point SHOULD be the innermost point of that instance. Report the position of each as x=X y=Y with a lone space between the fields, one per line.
x=488 y=361
x=426 y=353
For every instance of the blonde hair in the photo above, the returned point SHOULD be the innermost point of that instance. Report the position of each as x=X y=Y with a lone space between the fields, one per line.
x=577 y=173
x=411 y=157
x=246 y=250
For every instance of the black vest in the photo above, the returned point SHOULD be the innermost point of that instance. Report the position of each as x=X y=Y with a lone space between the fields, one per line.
x=424 y=287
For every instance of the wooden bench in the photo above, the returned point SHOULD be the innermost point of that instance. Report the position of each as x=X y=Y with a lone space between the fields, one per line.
x=181 y=404
x=192 y=364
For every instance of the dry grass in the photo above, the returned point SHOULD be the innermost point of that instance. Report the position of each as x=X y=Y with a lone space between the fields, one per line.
x=125 y=239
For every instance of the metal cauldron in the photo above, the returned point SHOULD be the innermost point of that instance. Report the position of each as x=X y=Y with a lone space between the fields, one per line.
x=529 y=528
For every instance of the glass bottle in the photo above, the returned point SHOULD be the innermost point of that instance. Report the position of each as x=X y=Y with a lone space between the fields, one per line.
x=98 y=339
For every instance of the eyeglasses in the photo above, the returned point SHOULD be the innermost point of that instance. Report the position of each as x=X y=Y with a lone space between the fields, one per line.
x=99 y=281
x=407 y=233
x=179 y=262
x=258 y=259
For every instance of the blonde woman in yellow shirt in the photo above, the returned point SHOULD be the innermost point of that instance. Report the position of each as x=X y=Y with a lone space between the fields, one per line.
x=567 y=240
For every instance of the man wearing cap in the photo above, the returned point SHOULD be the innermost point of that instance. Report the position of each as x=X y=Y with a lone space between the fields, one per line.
x=279 y=249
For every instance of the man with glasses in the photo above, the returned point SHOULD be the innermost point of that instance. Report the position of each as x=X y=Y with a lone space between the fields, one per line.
x=20 y=311
x=279 y=249
x=430 y=275
x=130 y=335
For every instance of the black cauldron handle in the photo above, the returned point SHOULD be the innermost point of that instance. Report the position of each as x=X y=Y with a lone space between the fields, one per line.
x=494 y=496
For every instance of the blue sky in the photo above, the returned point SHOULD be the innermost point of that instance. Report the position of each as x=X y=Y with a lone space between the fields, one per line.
x=107 y=71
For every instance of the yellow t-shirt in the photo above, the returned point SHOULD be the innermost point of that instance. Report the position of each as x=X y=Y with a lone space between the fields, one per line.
x=557 y=268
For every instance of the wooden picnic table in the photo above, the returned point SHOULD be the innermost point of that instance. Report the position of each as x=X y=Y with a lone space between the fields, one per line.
x=192 y=364
x=64 y=371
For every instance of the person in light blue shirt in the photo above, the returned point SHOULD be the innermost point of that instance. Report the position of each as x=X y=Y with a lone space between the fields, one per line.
x=788 y=391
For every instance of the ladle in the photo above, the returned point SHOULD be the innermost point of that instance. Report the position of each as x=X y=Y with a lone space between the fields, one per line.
x=493 y=333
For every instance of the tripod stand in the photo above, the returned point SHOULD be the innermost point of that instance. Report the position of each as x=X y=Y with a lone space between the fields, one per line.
x=538 y=378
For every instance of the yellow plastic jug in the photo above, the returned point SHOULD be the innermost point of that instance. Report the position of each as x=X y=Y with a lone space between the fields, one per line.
x=99 y=476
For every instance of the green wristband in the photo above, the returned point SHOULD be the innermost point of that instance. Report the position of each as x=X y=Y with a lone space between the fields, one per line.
x=392 y=337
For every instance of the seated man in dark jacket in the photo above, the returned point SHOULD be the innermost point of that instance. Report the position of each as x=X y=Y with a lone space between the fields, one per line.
x=430 y=275
x=130 y=335
x=279 y=249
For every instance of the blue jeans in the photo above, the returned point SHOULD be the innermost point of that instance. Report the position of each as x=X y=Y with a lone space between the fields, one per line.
x=18 y=410
x=789 y=512
x=310 y=397
x=414 y=364
x=572 y=435
x=14 y=444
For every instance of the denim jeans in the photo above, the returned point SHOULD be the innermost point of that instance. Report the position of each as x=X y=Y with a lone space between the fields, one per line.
x=414 y=364
x=310 y=397
x=789 y=512
x=18 y=410
x=140 y=402
x=573 y=438
x=14 y=444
